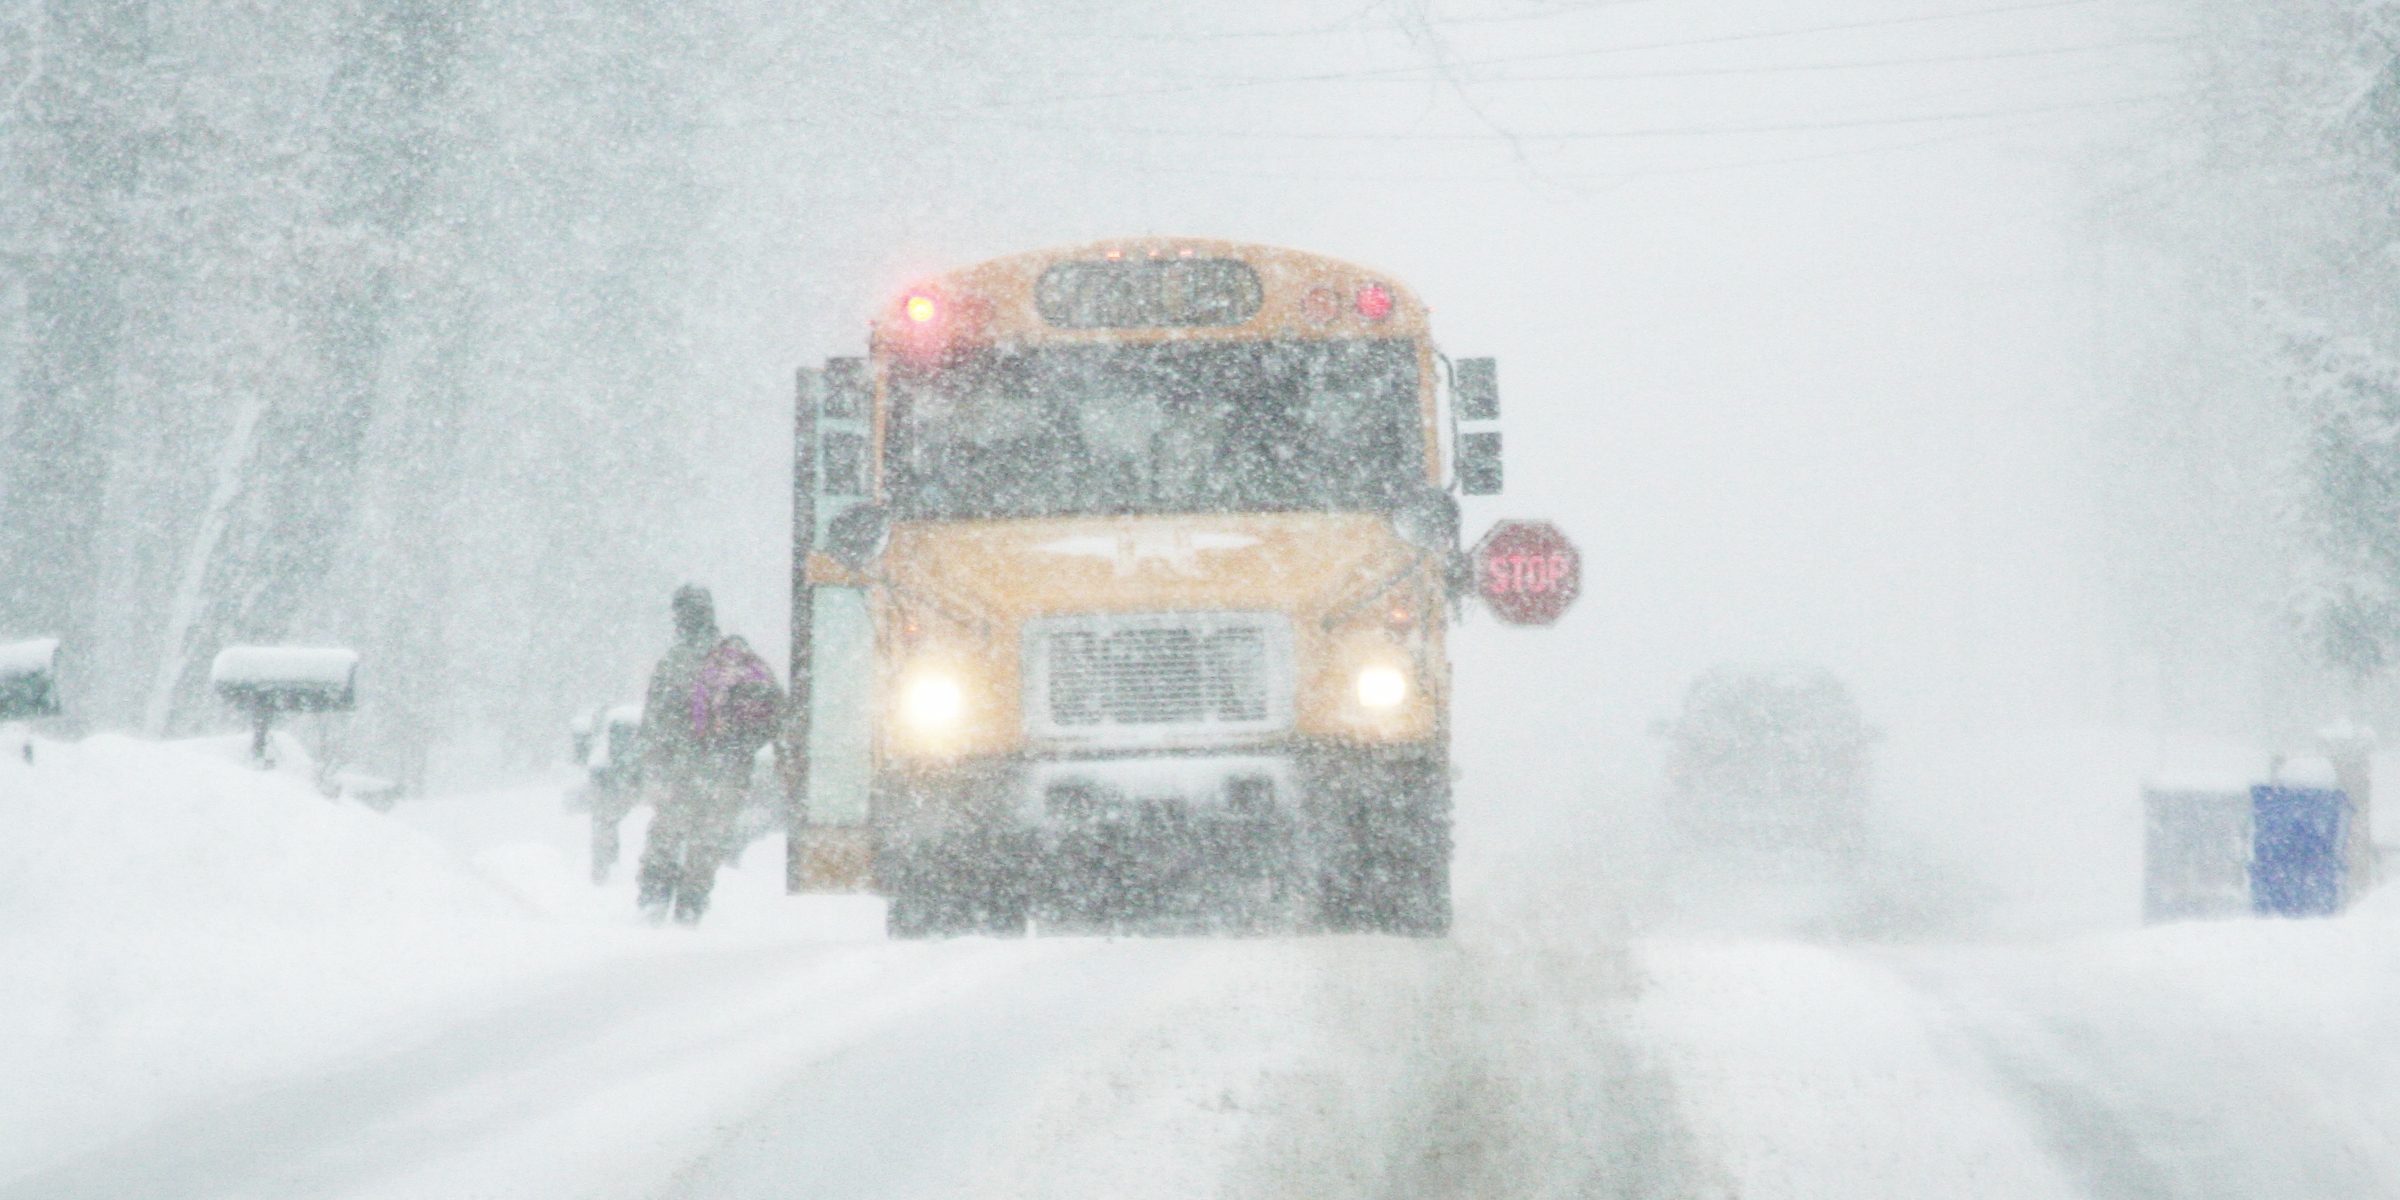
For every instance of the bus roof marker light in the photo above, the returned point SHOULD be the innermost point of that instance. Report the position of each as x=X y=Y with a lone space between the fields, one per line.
x=1320 y=305
x=920 y=309
x=1374 y=302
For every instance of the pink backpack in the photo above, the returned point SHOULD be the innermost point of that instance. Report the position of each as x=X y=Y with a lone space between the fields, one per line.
x=734 y=698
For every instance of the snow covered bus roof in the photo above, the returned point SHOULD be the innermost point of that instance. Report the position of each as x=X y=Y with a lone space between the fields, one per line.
x=1272 y=293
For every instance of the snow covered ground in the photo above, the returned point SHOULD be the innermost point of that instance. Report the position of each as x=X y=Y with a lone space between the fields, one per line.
x=220 y=983
x=2237 y=1060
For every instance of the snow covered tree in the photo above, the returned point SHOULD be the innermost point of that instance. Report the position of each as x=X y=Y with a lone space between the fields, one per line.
x=2341 y=116
x=2264 y=246
x=2348 y=499
x=456 y=331
x=69 y=143
x=377 y=132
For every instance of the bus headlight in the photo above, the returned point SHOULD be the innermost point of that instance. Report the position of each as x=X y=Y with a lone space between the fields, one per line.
x=1381 y=686
x=933 y=701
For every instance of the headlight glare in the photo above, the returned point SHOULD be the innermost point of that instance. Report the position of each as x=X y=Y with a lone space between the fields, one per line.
x=934 y=700
x=1381 y=686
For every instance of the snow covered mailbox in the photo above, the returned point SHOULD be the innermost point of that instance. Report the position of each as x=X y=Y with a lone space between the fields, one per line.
x=2299 y=824
x=2220 y=845
x=29 y=679
x=2196 y=846
x=267 y=681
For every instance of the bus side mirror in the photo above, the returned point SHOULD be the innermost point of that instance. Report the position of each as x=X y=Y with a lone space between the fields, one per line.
x=1428 y=520
x=845 y=396
x=847 y=390
x=1479 y=464
x=857 y=537
x=1475 y=389
x=29 y=680
x=842 y=464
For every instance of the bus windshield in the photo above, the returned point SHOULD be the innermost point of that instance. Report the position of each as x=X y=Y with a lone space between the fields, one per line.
x=1159 y=427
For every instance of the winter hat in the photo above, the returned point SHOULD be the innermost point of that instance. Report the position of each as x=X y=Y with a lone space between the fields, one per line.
x=695 y=611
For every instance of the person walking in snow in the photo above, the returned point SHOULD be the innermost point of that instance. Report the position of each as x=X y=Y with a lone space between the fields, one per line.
x=712 y=703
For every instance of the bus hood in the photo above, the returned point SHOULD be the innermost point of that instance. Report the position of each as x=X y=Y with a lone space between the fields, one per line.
x=1319 y=566
x=955 y=598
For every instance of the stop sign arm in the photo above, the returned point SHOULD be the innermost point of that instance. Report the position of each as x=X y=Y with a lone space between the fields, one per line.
x=1419 y=563
x=1528 y=572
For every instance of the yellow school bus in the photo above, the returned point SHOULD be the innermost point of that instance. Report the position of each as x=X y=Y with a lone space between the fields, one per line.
x=1153 y=544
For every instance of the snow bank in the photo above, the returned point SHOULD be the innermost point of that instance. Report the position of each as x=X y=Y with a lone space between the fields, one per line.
x=2257 y=1053
x=183 y=932
x=175 y=922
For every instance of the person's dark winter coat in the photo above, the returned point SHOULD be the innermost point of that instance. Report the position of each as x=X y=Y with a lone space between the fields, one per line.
x=710 y=706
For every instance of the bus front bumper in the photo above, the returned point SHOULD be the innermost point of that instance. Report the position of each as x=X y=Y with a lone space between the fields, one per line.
x=1222 y=841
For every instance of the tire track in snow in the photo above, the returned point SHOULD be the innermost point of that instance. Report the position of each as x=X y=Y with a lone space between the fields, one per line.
x=1322 y=1067
x=1317 y=1067
x=2157 y=1105
x=1538 y=1091
x=904 y=1113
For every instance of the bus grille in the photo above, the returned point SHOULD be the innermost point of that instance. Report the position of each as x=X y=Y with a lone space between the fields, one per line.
x=1162 y=674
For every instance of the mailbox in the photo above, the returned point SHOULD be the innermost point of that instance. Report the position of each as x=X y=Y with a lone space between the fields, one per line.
x=29 y=679
x=268 y=681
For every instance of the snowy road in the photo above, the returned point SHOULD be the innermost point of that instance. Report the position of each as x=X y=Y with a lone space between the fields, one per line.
x=1057 y=1067
x=2277 y=1102
x=2248 y=1061
x=562 y=1092
x=224 y=987
x=1333 y=1067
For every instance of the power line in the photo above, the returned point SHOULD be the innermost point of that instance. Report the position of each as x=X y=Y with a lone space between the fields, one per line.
x=1553 y=56
x=1862 y=65
x=1440 y=70
x=1354 y=23
x=1612 y=76
x=1602 y=134
x=1627 y=177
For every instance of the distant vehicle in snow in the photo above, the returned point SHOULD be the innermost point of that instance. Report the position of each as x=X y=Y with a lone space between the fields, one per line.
x=1770 y=756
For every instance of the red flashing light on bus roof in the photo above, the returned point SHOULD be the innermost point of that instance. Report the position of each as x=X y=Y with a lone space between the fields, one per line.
x=1374 y=302
x=919 y=309
x=1320 y=305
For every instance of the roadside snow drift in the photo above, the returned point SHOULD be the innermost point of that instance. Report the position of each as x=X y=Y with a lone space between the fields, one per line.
x=2249 y=1058
x=174 y=920
x=221 y=983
